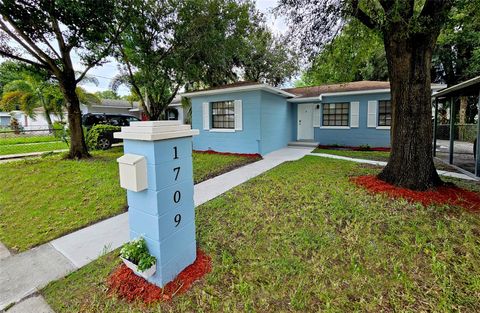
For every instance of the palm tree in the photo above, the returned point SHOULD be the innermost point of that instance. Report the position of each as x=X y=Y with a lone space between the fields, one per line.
x=28 y=94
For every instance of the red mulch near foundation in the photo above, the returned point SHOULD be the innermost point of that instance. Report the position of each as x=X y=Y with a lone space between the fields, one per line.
x=441 y=195
x=248 y=155
x=353 y=148
x=130 y=287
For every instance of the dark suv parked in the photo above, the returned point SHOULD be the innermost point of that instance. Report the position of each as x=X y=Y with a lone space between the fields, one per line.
x=106 y=139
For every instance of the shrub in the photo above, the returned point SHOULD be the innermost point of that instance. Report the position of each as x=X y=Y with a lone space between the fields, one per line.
x=96 y=133
x=136 y=251
x=364 y=148
x=59 y=130
x=15 y=126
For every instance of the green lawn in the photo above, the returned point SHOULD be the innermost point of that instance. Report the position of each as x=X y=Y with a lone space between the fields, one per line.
x=13 y=140
x=42 y=199
x=211 y=165
x=302 y=238
x=32 y=147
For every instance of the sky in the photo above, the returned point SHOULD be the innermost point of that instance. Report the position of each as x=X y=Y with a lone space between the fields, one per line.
x=107 y=71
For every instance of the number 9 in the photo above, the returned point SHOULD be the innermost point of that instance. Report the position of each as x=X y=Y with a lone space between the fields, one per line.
x=177 y=219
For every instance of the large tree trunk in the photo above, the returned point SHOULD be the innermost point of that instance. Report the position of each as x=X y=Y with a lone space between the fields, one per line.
x=78 y=148
x=411 y=158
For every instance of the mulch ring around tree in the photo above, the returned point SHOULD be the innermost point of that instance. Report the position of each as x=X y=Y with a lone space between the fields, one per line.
x=124 y=284
x=451 y=195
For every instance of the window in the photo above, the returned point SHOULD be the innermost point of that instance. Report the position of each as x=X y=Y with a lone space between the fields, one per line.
x=335 y=114
x=384 y=113
x=223 y=114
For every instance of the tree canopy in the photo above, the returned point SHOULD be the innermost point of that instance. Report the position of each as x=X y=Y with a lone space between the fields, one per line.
x=355 y=54
x=191 y=44
x=409 y=30
x=44 y=34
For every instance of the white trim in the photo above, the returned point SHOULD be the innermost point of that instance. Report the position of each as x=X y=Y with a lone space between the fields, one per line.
x=222 y=130
x=238 y=112
x=383 y=127
x=206 y=115
x=357 y=92
x=317 y=116
x=354 y=114
x=335 y=127
x=264 y=87
x=372 y=117
x=296 y=100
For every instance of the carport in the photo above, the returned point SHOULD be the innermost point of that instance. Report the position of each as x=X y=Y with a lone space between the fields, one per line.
x=447 y=98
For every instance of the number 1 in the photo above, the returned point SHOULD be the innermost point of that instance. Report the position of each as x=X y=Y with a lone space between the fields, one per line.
x=175 y=152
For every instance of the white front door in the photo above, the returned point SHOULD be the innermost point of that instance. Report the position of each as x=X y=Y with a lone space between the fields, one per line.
x=305 y=121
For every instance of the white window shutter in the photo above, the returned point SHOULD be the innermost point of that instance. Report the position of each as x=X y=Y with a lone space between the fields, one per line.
x=316 y=115
x=372 y=114
x=238 y=115
x=206 y=116
x=354 y=113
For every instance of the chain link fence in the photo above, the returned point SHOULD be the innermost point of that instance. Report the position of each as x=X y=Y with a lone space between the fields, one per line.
x=18 y=141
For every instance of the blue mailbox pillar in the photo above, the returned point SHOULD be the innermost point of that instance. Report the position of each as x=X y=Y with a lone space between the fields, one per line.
x=161 y=209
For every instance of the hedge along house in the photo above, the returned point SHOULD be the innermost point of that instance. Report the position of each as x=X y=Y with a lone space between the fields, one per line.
x=250 y=117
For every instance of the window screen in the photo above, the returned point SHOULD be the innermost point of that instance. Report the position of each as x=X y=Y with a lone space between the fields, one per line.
x=335 y=114
x=384 y=113
x=223 y=114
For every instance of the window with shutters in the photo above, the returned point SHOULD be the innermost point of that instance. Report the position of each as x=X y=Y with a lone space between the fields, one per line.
x=223 y=114
x=335 y=114
x=384 y=113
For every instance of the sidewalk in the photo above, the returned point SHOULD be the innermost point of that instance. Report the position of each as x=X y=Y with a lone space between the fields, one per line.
x=24 y=274
x=381 y=163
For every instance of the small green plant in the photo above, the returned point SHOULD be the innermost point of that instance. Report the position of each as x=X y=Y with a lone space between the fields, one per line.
x=364 y=148
x=96 y=132
x=136 y=251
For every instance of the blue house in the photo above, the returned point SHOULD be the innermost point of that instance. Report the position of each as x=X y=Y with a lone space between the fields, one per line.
x=251 y=117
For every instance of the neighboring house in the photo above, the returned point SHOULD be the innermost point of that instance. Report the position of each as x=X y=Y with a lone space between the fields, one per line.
x=4 y=119
x=114 y=107
x=250 y=117
x=174 y=112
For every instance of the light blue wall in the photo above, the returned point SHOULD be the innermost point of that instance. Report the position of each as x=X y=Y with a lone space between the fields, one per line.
x=276 y=122
x=355 y=136
x=244 y=141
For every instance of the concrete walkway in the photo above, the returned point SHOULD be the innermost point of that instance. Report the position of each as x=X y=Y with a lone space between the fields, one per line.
x=381 y=163
x=23 y=274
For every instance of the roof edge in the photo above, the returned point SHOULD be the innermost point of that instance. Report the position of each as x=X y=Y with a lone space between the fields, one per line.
x=264 y=87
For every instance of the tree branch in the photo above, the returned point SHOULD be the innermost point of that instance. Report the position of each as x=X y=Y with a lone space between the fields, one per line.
x=363 y=17
x=40 y=55
x=18 y=58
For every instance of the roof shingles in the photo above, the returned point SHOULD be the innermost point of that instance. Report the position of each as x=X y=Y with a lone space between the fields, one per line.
x=315 y=91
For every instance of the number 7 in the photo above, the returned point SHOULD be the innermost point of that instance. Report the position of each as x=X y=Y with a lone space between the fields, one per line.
x=177 y=171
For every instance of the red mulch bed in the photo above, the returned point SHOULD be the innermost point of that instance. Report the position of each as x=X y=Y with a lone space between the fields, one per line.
x=130 y=287
x=248 y=155
x=353 y=148
x=441 y=195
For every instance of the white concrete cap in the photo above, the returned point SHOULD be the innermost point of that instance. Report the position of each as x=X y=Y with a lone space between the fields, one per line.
x=156 y=130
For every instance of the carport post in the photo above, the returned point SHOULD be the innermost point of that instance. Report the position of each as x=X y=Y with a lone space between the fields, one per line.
x=477 y=161
x=452 y=129
x=435 y=124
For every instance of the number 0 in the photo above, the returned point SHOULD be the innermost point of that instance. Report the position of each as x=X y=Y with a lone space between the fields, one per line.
x=177 y=196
